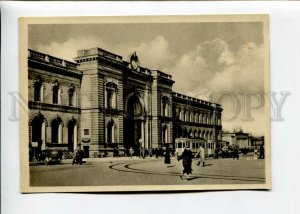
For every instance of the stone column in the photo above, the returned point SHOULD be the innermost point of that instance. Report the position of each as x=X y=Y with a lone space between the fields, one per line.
x=75 y=136
x=43 y=136
x=143 y=134
x=60 y=133
x=48 y=134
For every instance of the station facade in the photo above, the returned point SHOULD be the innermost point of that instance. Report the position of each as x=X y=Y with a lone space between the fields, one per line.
x=103 y=102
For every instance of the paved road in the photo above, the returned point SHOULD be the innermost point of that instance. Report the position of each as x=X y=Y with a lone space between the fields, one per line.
x=151 y=171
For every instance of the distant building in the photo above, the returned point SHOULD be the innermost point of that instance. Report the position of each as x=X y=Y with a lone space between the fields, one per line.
x=104 y=102
x=237 y=138
x=257 y=141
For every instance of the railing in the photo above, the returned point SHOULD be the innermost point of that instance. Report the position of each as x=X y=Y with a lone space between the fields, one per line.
x=51 y=59
x=97 y=51
x=182 y=96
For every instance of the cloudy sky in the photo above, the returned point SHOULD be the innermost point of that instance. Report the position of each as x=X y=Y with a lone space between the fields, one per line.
x=205 y=59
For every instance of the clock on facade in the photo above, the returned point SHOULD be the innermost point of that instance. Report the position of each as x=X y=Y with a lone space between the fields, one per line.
x=134 y=61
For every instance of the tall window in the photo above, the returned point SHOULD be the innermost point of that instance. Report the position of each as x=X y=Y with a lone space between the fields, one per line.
x=56 y=93
x=111 y=95
x=165 y=135
x=111 y=133
x=56 y=130
x=165 y=107
x=72 y=97
x=191 y=117
x=38 y=91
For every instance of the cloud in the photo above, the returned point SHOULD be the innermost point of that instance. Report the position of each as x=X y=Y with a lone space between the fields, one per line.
x=209 y=68
x=68 y=49
x=212 y=68
x=154 y=54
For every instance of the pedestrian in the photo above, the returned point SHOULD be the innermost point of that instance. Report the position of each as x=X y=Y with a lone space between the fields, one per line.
x=237 y=152
x=156 y=152
x=261 y=152
x=75 y=156
x=217 y=153
x=201 y=154
x=131 y=151
x=186 y=157
x=167 y=156
x=150 y=152
x=79 y=156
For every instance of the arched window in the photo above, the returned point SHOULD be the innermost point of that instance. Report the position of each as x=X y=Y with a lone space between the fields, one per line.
x=179 y=114
x=56 y=91
x=211 y=135
x=111 y=132
x=191 y=117
x=38 y=131
x=38 y=90
x=195 y=134
x=72 y=96
x=165 y=135
x=165 y=107
x=111 y=95
x=56 y=130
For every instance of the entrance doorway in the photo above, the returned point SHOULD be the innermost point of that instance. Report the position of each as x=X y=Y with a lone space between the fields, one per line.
x=39 y=132
x=133 y=123
x=72 y=135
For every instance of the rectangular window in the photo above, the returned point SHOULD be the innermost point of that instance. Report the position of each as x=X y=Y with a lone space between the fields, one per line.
x=86 y=132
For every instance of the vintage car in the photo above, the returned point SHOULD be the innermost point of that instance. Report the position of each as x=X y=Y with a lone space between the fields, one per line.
x=50 y=156
x=226 y=152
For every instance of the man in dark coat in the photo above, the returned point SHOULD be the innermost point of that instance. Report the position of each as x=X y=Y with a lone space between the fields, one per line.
x=167 y=156
x=186 y=157
x=261 y=152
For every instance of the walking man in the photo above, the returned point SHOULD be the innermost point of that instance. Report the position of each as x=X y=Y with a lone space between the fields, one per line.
x=131 y=151
x=261 y=152
x=201 y=154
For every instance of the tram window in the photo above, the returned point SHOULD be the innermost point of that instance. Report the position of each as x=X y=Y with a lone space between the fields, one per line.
x=179 y=145
x=193 y=145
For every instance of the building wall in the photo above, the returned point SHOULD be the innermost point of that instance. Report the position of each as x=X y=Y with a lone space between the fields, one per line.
x=43 y=70
x=95 y=77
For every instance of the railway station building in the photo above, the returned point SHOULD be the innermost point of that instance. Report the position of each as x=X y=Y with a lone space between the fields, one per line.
x=101 y=101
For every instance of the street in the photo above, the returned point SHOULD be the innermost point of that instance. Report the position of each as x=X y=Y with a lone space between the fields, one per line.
x=149 y=171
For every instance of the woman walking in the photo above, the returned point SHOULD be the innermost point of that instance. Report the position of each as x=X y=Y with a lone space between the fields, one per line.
x=186 y=157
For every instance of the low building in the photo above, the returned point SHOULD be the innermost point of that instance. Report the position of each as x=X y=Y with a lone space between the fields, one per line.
x=240 y=139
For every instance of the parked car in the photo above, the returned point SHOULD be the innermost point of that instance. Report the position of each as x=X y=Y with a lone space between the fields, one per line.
x=50 y=156
x=226 y=152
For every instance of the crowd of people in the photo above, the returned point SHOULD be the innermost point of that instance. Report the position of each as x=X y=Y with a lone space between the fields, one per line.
x=186 y=156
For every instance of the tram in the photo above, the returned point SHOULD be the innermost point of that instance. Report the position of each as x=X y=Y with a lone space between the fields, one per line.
x=194 y=144
x=208 y=145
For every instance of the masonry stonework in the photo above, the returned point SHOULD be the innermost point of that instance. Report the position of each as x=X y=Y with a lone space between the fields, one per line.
x=102 y=102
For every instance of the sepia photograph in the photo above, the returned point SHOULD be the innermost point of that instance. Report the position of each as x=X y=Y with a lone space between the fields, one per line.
x=144 y=103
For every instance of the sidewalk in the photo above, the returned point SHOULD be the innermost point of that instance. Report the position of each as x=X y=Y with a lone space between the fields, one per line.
x=106 y=159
